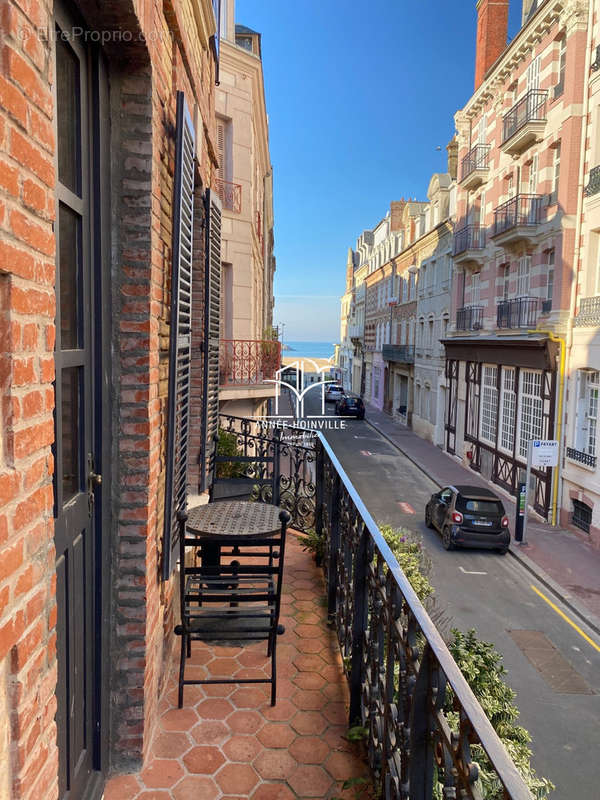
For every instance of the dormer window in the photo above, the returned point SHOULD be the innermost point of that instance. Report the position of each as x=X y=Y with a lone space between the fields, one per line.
x=245 y=42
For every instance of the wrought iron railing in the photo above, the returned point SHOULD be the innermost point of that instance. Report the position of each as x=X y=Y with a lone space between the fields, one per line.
x=399 y=669
x=469 y=318
x=399 y=353
x=589 y=313
x=230 y=195
x=524 y=210
x=593 y=186
x=471 y=237
x=520 y=312
x=246 y=362
x=531 y=108
x=476 y=158
x=581 y=457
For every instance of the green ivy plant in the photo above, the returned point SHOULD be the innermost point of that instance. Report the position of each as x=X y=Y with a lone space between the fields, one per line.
x=227 y=446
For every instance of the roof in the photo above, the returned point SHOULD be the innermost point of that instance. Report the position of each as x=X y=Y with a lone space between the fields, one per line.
x=475 y=491
x=244 y=29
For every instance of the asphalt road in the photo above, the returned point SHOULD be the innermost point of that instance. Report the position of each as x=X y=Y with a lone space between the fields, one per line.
x=495 y=595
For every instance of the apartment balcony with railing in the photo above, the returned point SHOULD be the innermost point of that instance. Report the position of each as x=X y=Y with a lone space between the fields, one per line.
x=246 y=366
x=593 y=186
x=517 y=220
x=519 y=312
x=525 y=122
x=589 y=313
x=474 y=167
x=230 y=195
x=469 y=245
x=469 y=318
x=398 y=353
x=581 y=457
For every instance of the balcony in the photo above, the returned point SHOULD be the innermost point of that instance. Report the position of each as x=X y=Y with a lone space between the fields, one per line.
x=355 y=333
x=593 y=186
x=469 y=245
x=581 y=458
x=525 y=122
x=474 y=167
x=246 y=365
x=398 y=353
x=230 y=195
x=517 y=220
x=589 y=313
x=520 y=312
x=469 y=318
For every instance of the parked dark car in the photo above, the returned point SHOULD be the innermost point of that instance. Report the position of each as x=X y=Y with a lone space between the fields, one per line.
x=469 y=516
x=350 y=406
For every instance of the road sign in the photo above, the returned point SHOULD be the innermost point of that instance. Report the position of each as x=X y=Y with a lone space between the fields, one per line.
x=544 y=453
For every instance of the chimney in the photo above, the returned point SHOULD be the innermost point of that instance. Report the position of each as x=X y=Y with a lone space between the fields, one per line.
x=397 y=207
x=492 y=32
x=452 y=148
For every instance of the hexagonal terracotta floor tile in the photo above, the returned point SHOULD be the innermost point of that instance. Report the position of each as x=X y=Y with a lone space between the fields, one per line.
x=195 y=787
x=222 y=667
x=310 y=781
x=275 y=764
x=284 y=710
x=249 y=697
x=276 y=734
x=309 y=723
x=335 y=713
x=161 y=773
x=170 y=745
x=179 y=719
x=245 y=722
x=122 y=787
x=218 y=689
x=237 y=779
x=155 y=794
x=273 y=791
x=309 y=663
x=342 y=766
x=336 y=692
x=215 y=708
x=203 y=759
x=210 y=732
x=335 y=737
x=252 y=658
x=309 y=749
x=308 y=700
x=309 y=680
x=242 y=748
x=311 y=646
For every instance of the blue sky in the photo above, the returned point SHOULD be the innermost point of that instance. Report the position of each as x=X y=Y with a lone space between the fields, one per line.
x=359 y=95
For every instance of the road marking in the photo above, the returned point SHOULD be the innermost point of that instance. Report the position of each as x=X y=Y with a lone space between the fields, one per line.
x=407 y=508
x=566 y=619
x=471 y=572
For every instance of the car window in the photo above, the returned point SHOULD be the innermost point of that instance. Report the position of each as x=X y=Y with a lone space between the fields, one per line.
x=446 y=495
x=479 y=506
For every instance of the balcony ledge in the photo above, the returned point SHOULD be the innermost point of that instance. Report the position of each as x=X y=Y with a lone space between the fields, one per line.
x=470 y=257
x=524 y=137
x=474 y=179
x=528 y=234
x=250 y=391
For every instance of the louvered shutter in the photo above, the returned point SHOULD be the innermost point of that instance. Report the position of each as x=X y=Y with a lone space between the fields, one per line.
x=221 y=150
x=180 y=335
x=212 y=330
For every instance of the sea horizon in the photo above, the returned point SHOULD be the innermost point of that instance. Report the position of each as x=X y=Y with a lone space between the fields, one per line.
x=308 y=349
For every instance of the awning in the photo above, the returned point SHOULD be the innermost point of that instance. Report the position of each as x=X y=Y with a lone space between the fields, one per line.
x=535 y=351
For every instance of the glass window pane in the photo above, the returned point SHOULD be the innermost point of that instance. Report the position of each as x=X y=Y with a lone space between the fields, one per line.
x=69 y=258
x=70 y=432
x=68 y=115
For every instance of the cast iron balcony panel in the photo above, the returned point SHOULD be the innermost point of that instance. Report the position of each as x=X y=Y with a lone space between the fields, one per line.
x=474 y=167
x=581 y=457
x=469 y=318
x=589 y=313
x=593 y=186
x=469 y=245
x=245 y=362
x=399 y=353
x=517 y=219
x=230 y=195
x=525 y=122
x=520 y=312
x=405 y=687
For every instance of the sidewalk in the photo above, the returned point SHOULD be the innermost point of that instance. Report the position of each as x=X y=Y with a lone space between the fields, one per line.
x=567 y=565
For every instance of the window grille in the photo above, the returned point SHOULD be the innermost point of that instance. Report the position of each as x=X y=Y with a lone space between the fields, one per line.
x=489 y=404
x=508 y=407
x=582 y=515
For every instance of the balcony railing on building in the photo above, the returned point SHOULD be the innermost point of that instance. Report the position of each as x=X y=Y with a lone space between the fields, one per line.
x=406 y=690
x=471 y=237
x=593 y=186
x=581 y=457
x=475 y=166
x=519 y=312
x=525 y=121
x=589 y=313
x=398 y=353
x=518 y=218
x=230 y=195
x=469 y=318
x=244 y=362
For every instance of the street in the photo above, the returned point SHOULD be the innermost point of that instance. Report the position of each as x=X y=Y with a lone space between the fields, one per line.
x=496 y=596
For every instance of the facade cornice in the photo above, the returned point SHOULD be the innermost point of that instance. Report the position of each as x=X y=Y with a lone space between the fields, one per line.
x=570 y=14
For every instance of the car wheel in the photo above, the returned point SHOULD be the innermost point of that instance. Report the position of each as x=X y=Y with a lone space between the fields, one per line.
x=428 y=520
x=447 y=539
x=502 y=550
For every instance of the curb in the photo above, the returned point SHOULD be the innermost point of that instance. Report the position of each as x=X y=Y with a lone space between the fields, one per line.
x=580 y=611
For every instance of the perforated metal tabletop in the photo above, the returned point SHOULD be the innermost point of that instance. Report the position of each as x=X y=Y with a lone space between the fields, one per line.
x=234 y=518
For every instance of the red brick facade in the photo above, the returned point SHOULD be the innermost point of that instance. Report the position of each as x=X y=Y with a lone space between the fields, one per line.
x=492 y=30
x=165 y=49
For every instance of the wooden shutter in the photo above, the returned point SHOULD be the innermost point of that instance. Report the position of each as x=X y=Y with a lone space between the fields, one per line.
x=212 y=330
x=180 y=335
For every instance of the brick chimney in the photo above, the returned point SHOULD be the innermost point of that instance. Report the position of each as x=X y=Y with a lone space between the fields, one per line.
x=452 y=148
x=396 y=208
x=492 y=32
